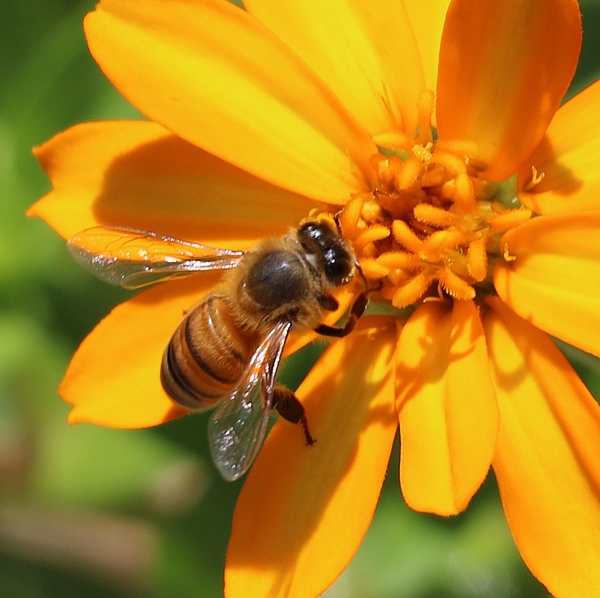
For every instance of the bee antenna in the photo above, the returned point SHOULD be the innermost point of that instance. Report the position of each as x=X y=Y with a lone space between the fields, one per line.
x=360 y=271
x=336 y=219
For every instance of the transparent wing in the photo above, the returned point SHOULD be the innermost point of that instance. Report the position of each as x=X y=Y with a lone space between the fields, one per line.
x=133 y=258
x=238 y=427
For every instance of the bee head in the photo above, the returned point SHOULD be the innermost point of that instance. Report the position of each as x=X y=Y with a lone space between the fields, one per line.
x=335 y=259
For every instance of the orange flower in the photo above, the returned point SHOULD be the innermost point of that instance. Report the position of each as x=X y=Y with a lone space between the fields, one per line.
x=472 y=203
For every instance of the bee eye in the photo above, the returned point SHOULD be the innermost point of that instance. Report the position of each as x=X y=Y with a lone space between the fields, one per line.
x=319 y=239
x=338 y=265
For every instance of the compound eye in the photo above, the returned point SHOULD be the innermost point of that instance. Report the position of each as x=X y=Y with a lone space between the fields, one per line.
x=338 y=267
x=311 y=236
x=319 y=239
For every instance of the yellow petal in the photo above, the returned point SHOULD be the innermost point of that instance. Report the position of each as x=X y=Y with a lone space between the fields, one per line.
x=216 y=77
x=427 y=20
x=365 y=51
x=504 y=68
x=304 y=510
x=568 y=159
x=546 y=462
x=114 y=377
x=446 y=405
x=136 y=173
x=554 y=279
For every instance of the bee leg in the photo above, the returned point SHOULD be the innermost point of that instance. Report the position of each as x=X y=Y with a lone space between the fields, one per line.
x=328 y=302
x=291 y=409
x=356 y=311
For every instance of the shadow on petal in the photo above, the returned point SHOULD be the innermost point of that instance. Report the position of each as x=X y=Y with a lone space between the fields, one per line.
x=304 y=510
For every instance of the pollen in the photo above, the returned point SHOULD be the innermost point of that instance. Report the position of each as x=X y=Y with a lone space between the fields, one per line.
x=431 y=227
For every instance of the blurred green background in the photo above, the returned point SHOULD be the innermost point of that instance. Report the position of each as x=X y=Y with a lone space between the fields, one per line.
x=88 y=511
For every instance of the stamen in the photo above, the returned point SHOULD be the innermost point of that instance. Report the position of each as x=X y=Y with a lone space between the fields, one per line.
x=509 y=219
x=349 y=218
x=408 y=174
x=477 y=260
x=535 y=179
x=373 y=268
x=464 y=200
x=411 y=291
x=455 y=286
x=437 y=243
x=434 y=216
x=508 y=257
x=451 y=162
x=423 y=152
x=399 y=260
x=431 y=228
x=370 y=235
x=405 y=236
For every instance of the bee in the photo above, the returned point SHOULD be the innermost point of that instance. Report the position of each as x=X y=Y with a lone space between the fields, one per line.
x=226 y=352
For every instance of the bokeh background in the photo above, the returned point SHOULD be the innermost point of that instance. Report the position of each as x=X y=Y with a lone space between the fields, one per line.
x=89 y=511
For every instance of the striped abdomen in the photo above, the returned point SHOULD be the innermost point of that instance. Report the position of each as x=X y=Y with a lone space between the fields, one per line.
x=206 y=356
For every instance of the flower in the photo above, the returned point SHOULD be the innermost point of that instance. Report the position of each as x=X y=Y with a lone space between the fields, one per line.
x=471 y=200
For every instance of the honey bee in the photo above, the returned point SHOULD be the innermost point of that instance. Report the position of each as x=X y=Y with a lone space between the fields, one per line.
x=227 y=349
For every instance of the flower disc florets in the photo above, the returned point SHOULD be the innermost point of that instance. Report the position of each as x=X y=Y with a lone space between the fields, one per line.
x=431 y=226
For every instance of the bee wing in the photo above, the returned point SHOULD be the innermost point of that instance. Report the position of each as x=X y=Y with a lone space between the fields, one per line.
x=133 y=258
x=238 y=427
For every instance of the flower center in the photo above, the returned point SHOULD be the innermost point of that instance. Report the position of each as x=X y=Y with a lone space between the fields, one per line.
x=431 y=227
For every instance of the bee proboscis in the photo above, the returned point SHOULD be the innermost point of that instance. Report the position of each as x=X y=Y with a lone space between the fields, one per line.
x=226 y=352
